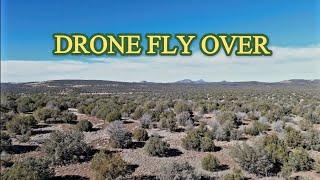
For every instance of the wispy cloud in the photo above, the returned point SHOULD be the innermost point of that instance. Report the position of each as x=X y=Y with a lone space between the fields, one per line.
x=286 y=63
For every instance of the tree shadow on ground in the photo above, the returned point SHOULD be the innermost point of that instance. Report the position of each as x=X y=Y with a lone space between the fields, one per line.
x=179 y=130
x=173 y=152
x=127 y=122
x=87 y=157
x=6 y=164
x=41 y=126
x=196 y=123
x=217 y=148
x=144 y=177
x=131 y=168
x=245 y=123
x=243 y=139
x=35 y=132
x=223 y=167
x=70 y=177
x=95 y=129
x=62 y=122
x=137 y=144
x=157 y=135
x=19 y=149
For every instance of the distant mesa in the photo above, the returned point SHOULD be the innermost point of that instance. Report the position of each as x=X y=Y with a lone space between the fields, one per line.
x=301 y=81
x=200 y=81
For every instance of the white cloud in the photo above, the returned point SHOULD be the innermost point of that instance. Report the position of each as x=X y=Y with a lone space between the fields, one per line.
x=285 y=63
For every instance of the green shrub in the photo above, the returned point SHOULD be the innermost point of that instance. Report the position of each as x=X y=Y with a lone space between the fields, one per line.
x=101 y=110
x=207 y=144
x=228 y=117
x=312 y=140
x=317 y=165
x=256 y=128
x=292 y=137
x=276 y=113
x=4 y=118
x=236 y=174
x=168 y=120
x=181 y=107
x=210 y=163
x=5 y=142
x=202 y=109
x=113 y=116
x=137 y=114
x=42 y=114
x=199 y=139
x=84 y=125
x=254 y=159
x=168 y=123
x=299 y=159
x=312 y=117
x=68 y=117
x=175 y=171
x=268 y=155
x=65 y=147
x=184 y=118
x=149 y=104
x=8 y=102
x=192 y=141
x=222 y=133
x=31 y=168
x=25 y=104
x=119 y=136
x=156 y=147
x=85 y=109
x=140 y=134
x=21 y=124
x=235 y=134
x=275 y=148
x=108 y=166
x=305 y=124
x=286 y=170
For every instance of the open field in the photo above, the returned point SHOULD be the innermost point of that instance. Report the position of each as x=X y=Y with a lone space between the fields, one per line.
x=74 y=129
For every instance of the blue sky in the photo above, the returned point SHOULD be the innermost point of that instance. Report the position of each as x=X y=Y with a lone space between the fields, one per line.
x=27 y=26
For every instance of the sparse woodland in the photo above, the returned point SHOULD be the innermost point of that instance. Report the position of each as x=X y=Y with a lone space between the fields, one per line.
x=159 y=131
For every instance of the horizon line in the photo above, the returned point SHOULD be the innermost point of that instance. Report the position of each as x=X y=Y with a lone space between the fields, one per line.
x=202 y=81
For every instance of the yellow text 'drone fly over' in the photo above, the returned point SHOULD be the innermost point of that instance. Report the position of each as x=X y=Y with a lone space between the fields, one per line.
x=161 y=44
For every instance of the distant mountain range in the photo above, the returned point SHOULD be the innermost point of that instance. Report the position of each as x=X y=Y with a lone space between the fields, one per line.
x=103 y=86
x=301 y=81
x=78 y=82
x=291 y=81
x=200 y=81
